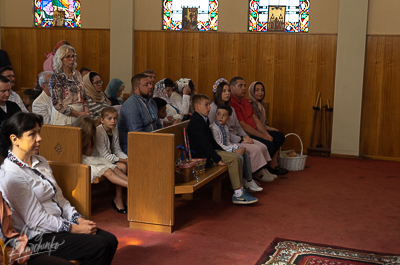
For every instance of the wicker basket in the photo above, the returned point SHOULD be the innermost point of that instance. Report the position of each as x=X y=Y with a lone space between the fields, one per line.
x=296 y=163
x=185 y=171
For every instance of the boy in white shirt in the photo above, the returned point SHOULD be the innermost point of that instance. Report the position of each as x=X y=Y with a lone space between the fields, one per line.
x=221 y=135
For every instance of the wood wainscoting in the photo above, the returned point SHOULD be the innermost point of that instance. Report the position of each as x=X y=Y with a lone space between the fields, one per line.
x=26 y=48
x=293 y=68
x=380 y=131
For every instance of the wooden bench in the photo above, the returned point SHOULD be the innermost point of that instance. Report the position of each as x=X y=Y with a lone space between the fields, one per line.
x=74 y=181
x=62 y=144
x=151 y=174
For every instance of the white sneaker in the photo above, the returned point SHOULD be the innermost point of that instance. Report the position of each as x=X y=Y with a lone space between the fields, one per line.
x=266 y=177
x=251 y=186
x=266 y=171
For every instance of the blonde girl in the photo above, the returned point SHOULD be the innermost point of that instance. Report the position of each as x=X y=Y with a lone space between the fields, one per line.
x=100 y=166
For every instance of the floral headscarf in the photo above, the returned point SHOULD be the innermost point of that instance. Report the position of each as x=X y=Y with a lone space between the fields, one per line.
x=113 y=88
x=159 y=91
x=90 y=91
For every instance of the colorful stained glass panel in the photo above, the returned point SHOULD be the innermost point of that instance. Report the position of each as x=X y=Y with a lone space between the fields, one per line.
x=207 y=16
x=297 y=14
x=57 y=13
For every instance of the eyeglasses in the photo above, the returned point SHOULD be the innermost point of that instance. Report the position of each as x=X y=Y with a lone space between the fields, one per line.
x=100 y=82
x=71 y=57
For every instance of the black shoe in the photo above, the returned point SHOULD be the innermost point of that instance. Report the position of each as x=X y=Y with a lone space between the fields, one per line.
x=277 y=170
x=119 y=210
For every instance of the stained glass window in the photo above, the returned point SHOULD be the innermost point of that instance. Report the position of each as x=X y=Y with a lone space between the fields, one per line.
x=58 y=13
x=279 y=15
x=207 y=14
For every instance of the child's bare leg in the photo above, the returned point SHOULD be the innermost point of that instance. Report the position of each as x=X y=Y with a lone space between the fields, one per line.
x=122 y=175
x=116 y=179
x=122 y=167
x=118 y=200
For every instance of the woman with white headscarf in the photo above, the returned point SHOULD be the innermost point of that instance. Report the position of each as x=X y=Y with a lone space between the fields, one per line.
x=163 y=89
x=184 y=88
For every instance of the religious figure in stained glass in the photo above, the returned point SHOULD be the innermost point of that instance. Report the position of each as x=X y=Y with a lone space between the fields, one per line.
x=58 y=13
x=293 y=15
x=207 y=14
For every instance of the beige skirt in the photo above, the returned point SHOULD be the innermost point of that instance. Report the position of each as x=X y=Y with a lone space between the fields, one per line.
x=61 y=119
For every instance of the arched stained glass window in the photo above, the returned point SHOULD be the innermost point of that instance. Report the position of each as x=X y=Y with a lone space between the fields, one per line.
x=279 y=15
x=201 y=15
x=58 y=13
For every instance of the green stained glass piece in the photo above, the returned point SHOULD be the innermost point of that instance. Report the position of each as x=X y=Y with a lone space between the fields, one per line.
x=253 y=14
x=213 y=14
x=167 y=14
x=304 y=15
x=250 y=28
x=165 y=27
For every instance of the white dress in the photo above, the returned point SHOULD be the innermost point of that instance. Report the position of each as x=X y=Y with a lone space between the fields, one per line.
x=98 y=165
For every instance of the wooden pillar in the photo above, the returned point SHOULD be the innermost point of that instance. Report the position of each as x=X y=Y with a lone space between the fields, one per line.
x=352 y=30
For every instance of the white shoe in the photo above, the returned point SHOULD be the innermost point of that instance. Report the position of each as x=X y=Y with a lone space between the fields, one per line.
x=266 y=171
x=251 y=186
x=266 y=177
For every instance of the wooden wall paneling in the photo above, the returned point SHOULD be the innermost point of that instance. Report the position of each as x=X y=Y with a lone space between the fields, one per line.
x=372 y=96
x=265 y=66
x=140 y=58
x=11 y=38
x=284 y=83
x=389 y=130
x=174 y=43
x=157 y=54
x=190 y=59
x=379 y=132
x=27 y=46
x=208 y=62
x=305 y=88
x=228 y=59
x=248 y=51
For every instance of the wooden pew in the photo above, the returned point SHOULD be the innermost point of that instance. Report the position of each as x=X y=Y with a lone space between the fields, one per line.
x=74 y=181
x=62 y=144
x=151 y=173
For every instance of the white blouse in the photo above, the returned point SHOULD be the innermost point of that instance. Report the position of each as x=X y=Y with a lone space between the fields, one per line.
x=181 y=102
x=34 y=197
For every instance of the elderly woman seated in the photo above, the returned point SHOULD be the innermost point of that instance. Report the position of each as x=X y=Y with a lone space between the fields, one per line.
x=38 y=207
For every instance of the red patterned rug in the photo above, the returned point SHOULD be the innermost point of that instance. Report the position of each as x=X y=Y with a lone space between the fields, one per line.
x=284 y=252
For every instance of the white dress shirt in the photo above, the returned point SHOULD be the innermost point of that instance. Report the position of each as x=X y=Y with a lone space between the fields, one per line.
x=43 y=106
x=14 y=97
x=35 y=199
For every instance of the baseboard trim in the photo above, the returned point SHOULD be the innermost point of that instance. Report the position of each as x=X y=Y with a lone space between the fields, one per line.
x=394 y=159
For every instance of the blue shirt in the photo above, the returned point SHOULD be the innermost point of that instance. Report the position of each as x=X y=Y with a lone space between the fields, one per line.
x=137 y=114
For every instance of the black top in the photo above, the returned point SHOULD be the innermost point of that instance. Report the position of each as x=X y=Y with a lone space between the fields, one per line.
x=201 y=139
x=12 y=108
x=4 y=60
x=114 y=102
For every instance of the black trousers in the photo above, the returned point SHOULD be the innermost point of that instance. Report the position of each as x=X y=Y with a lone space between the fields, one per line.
x=273 y=147
x=90 y=249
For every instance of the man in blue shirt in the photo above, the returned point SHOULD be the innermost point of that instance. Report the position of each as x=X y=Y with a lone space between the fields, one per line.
x=139 y=112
